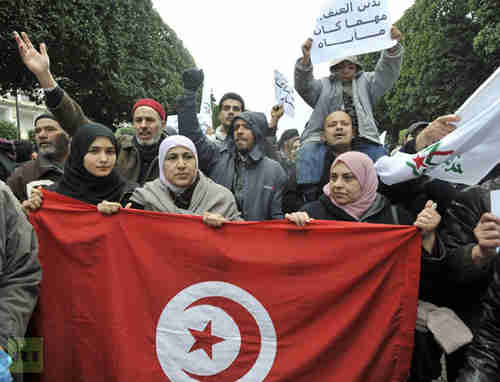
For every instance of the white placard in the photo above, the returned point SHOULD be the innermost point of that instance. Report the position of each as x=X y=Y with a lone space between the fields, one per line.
x=348 y=28
x=285 y=94
x=495 y=202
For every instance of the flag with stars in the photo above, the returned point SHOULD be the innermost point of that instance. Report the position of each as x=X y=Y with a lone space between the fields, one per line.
x=464 y=156
x=146 y=296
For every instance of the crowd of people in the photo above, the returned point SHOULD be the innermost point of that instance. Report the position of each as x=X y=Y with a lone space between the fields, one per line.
x=241 y=172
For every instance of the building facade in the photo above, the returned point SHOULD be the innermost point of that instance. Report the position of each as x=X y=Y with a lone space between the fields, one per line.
x=28 y=111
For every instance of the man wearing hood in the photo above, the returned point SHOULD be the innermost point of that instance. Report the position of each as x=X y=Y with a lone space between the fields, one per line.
x=53 y=147
x=347 y=88
x=240 y=164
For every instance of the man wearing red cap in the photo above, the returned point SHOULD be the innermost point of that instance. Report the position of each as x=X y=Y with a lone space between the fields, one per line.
x=137 y=159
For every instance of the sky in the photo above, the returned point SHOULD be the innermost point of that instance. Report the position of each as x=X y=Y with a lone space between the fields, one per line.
x=239 y=44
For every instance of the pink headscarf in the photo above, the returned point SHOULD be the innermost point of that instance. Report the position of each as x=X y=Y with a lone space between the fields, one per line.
x=364 y=170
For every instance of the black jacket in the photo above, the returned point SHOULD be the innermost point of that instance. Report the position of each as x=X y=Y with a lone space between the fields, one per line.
x=483 y=355
x=465 y=281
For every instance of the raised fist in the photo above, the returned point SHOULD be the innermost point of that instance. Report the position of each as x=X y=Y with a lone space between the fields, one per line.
x=192 y=78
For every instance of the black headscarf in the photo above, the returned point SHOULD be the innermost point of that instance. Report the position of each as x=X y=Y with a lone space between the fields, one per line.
x=80 y=184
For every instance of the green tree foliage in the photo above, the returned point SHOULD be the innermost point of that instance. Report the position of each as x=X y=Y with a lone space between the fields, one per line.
x=440 y=69
x=486 y=15
x=8 y=130
x=105 y=53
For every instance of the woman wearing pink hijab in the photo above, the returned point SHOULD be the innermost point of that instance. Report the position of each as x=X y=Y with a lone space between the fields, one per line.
x=351 y=195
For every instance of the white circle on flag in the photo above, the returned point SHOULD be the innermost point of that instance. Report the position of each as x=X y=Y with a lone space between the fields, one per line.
x=175 y=341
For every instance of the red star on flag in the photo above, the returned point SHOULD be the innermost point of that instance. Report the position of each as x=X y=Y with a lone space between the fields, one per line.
x=204 y=339
x=419 y=161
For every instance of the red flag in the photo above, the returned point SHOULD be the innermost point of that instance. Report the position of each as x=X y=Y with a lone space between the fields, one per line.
x=144 y=296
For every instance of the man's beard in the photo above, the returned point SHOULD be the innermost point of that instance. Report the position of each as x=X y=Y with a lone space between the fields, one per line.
x=57 y=150
x=149 y=142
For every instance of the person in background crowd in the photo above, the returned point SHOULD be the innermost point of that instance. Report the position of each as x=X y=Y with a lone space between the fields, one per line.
x=230 y=105
x=240 y=164
x=7 y=158
x=24 y=150
x=170 y=131
x=338 y=135
x=210 y=133
x=137 y=159
x=347 y=88
x=53 y=149
x=20 y=278
x=412 y=133
x=284 y=141
x=183 y=189
x=90 y=173
x=471 y=234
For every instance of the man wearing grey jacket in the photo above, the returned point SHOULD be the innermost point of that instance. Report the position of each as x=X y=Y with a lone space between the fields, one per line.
x=347 y=88
x=20 y=276
x=241 y=164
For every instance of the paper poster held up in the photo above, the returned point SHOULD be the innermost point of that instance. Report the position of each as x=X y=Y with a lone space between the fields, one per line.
x=349 y=28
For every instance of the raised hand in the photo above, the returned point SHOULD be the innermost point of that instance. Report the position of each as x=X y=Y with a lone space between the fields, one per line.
x=428 y=219
x=192 y=78
x=37 y=62
x=437 y=130
x=306 y=51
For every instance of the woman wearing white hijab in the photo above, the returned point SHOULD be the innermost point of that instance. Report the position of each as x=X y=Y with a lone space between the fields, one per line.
x=183 y=189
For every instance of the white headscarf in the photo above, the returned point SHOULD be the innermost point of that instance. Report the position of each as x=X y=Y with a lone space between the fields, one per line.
x=167 y=144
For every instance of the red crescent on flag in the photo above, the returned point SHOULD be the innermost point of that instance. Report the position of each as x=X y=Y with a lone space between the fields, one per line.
x=250 y=339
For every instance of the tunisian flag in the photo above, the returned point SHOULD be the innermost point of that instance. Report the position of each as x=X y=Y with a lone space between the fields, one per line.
x=144 y=296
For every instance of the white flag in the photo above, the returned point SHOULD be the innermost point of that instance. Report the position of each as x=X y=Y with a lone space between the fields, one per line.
x=464 y=156
x=348 y=28
x=284 y=93
x=205 y=116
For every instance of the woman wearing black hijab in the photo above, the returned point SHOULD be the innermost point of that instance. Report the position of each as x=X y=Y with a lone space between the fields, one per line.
x=90 y=174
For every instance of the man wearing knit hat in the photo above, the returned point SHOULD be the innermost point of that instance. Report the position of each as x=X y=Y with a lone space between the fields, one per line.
x=53 y=148
x=137 y=159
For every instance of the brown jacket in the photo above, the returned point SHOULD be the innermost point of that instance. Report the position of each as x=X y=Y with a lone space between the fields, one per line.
x=71 y=117
x=39 y=169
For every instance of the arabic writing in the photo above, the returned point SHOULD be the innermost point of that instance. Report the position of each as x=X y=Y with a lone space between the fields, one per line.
x=284 y=93
x=350 y=17
x=349 y=9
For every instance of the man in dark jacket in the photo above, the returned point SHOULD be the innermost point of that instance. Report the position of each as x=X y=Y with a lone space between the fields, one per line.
x=240 y=164
x=471 y=235
x=20 y=275
x=483 y=356
x=53 y=148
